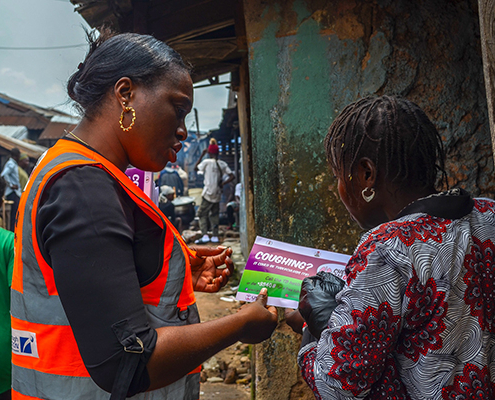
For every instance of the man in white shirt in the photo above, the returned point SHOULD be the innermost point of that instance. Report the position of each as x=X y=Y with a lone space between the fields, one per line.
x=213 y=170
x=13 y=192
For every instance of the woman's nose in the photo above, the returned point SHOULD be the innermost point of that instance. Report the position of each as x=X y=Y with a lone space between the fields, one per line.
x=182 y=132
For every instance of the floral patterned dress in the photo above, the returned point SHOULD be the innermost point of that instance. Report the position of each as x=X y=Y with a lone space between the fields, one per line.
x=416 y=318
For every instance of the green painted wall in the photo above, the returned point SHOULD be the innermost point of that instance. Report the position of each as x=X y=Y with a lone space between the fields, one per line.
x=291 y=110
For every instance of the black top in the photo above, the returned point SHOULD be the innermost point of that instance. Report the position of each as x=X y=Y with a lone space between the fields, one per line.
x=102 y=249
x=168 y=209
x=451 y=204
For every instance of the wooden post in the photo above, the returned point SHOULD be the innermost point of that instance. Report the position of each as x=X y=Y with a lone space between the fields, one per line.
x=487 y=30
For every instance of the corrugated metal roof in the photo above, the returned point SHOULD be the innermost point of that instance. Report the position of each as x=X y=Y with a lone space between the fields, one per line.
x=30 y=119
x=56 y=130
x=16 y=132
x=32 y=150
x=23 y=107
x=15 y=112
x=65 y=119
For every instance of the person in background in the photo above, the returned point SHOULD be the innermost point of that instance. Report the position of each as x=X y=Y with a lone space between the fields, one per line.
x=6 y=268
x=183 y=175
x=23 y=170
x=13 y=191
x=103 y=285
x=167 y=207
x=170 y=176
x=213 y=170
x=415 y=319
x=233 y=208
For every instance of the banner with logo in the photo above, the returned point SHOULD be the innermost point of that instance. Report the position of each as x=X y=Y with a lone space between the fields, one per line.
x=144 y=181
x=281 y=267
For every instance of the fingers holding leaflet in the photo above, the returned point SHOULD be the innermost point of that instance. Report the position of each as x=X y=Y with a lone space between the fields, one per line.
x=261 y=320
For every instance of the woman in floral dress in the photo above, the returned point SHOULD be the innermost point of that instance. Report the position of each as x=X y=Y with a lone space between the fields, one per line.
x=416 y=317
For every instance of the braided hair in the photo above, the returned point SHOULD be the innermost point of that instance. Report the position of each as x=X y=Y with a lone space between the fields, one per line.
x=395 y=134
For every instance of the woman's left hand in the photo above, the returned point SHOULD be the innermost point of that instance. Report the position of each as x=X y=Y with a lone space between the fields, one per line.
x=206 y=275
x=294 y=319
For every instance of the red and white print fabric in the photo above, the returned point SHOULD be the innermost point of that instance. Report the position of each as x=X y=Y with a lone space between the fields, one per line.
x=417 y=317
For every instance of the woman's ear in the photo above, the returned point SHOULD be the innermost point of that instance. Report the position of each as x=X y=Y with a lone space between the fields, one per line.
x=123 y=91
x=366 y=173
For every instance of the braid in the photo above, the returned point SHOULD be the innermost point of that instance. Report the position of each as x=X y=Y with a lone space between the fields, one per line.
x=395 y=134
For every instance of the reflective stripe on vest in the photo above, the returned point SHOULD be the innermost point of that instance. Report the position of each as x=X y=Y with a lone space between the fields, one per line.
x=45 y=354
x=68 y=388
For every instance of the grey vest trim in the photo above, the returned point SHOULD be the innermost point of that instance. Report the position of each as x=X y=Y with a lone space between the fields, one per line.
x=175 y=277
x=29 y=307
x=186 y=388
x=57 y=387
x=40 y=304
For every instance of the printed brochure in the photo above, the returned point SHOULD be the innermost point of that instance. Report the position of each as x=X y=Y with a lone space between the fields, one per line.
x=281 y=267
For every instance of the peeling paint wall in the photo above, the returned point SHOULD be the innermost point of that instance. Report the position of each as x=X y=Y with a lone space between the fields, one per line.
x=309 y=59
x=291 y=110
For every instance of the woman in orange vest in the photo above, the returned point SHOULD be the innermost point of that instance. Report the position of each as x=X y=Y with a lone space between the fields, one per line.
x=102 y=292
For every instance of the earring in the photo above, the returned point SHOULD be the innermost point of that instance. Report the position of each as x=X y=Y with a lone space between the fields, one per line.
x=366 y=198
x=126 y=110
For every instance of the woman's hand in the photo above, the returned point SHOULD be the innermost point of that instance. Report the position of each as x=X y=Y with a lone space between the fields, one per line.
x=261 y=320
x=206 y=275
x=180 y=349
x=294 y=319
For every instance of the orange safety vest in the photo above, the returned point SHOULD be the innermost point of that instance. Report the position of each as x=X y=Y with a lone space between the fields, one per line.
x=46 y=363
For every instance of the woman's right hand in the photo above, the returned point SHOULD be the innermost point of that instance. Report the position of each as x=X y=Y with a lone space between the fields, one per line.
x=261 y=320
x=180 y=349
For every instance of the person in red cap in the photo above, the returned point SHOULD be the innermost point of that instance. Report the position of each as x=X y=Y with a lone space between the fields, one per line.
x=214 y=170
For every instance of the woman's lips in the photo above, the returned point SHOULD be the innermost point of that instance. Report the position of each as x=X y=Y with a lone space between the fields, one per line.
x=177 y=147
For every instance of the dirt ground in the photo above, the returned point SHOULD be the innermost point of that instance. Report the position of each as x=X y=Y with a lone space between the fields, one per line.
x=215 y=305
x=211 y=307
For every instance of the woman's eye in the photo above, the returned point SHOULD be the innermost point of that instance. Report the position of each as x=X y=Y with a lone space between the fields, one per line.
x=181 y=113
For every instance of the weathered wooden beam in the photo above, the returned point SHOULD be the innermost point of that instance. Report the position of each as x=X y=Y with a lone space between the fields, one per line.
x=487 y=30
x=179 y=20
x=98 y=12
x=209 y=49
x=202 y=30
x=202 y=72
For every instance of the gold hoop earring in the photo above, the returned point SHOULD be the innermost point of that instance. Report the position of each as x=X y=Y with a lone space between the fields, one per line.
x=126 y=110
x=367 y=198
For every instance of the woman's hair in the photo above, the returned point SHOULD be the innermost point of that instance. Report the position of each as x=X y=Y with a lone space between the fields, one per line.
x=395 y=134
x=141 y=58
